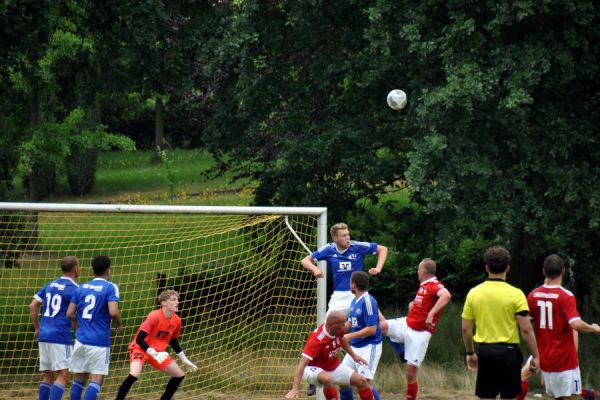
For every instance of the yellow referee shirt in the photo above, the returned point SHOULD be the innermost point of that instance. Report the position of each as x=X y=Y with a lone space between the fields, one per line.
x=493 y=305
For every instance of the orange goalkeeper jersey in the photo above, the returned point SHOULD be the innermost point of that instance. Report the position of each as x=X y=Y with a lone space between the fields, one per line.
x=160 y=330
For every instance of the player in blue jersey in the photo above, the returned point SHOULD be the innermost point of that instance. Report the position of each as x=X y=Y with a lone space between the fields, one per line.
x=93 y=305
x=53 y=332
x=364 y=332
x=343 y=257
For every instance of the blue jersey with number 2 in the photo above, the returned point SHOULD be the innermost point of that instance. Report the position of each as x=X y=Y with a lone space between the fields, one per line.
x=343 y=263
x=92 y=300
x=55 y=297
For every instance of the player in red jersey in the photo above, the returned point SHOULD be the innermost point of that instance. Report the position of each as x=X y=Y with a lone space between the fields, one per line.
x=320 y=364
x=554 y=314
x=416 y=328
x=159 y=330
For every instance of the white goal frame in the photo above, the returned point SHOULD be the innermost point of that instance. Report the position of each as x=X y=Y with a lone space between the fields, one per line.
x=320 y=212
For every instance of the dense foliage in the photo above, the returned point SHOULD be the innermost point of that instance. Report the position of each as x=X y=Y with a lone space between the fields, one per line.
x=498 y=142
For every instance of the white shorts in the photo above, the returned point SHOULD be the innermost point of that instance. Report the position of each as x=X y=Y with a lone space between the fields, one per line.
x=415 y=346
x=397 y=329
x=340 y=300
x=54 y=356
x=341 y=375
x=562 y=384
x=371 y=354
x=90 y=359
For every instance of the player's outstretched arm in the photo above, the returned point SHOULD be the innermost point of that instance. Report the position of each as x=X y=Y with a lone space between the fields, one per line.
x=382 y=252
x=308 y=263
x=580 y=325
x=295 y=390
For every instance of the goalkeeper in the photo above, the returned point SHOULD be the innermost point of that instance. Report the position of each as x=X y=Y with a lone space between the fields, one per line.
x=159 y=330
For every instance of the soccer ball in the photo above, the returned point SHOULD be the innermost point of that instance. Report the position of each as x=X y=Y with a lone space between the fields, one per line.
x=396 y=99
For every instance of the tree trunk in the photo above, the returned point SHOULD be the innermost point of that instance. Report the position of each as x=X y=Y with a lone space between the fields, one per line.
x=525 y=273
x=159 y=132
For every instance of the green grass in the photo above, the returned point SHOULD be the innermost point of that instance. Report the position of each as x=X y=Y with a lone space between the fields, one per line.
x=134 y=178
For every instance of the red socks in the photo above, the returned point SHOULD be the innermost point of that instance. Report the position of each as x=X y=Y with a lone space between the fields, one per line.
x=524 y=390
x=366 y=394
x=411 y=391
x=330 y=393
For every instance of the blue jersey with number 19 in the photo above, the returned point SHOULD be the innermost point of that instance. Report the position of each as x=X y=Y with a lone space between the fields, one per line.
x=92 y=300
x=364 y=312
x=55 y=297
x=343 y=263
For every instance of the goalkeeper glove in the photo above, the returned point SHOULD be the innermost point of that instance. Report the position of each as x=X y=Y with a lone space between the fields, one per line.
x=158 y=356
x=191 y=366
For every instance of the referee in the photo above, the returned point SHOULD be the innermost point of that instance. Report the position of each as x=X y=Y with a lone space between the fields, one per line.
x=499 y=311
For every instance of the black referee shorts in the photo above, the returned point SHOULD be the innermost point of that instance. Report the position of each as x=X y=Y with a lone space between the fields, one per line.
x=499 y=370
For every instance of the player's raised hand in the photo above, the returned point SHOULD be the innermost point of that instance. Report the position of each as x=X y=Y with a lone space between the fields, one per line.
x=292 y=394
x=374 y=271
x=188 y=364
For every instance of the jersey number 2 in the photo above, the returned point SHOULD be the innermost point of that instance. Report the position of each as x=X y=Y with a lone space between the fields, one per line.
x=545 y=314
x=90 y=300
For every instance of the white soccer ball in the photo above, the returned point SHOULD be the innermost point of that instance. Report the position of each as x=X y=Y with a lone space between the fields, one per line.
x=396 y=99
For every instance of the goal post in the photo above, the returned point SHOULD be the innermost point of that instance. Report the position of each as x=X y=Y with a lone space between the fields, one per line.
x=246 y=302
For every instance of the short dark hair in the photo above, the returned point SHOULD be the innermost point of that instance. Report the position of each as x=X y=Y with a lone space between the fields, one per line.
x=68 y=263
x=100 y=264
x=497 y=258
x=361 y=280
x=553 y=266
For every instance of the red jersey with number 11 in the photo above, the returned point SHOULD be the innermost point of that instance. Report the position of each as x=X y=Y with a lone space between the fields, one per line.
x=160 y=330
x=552 y=308
x=322 y=349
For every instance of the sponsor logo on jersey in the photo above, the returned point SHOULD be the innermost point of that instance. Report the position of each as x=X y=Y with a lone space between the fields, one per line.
x=345 y=266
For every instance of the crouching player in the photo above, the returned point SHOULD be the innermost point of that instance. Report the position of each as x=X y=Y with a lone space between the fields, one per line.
x=159 y=330
x=320 y=365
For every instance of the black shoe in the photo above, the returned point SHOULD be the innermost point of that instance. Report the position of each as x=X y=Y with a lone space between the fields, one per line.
x=312 y=390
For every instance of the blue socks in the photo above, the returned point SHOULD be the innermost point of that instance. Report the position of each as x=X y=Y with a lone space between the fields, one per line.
x=92 y=391
x=57 y=391
x=76 y=390
x=375 y=394
x=346 y=394
x=44 y=392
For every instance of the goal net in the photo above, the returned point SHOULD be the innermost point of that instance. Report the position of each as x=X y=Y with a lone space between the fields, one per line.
x=245 y=301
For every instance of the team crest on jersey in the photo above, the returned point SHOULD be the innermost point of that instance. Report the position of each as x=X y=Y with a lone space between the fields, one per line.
x=352 y=256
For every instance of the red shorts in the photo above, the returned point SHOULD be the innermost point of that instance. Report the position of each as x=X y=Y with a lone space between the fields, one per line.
x=137 y=354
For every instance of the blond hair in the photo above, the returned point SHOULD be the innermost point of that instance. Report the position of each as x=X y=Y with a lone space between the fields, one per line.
x=337 y=227
x=166 y=295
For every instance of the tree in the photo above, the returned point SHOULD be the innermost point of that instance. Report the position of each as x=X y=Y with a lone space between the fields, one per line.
x=296 y=113
x=506 y=144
